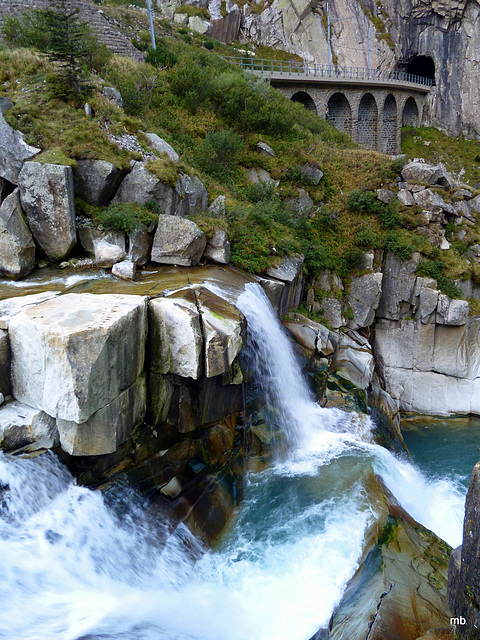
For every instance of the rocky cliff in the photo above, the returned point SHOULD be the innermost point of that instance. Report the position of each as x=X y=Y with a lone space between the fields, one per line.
x=464 y=568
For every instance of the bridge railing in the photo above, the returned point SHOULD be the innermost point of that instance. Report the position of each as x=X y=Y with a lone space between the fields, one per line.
x=321 y=70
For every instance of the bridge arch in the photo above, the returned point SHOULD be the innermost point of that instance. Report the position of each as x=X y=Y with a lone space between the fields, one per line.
x=389 y=125
x=410 y=113
x=306 y=99
x=368 y=122
x=339 y=113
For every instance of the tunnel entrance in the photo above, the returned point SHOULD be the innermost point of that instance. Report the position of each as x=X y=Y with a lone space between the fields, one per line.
x=305 y=99
x=422 y=66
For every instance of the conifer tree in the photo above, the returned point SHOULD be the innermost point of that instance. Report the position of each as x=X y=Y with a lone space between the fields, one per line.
x=66 y=43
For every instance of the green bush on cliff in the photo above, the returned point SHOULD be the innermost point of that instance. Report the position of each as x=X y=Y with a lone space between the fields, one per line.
x=365 y=201
x=435 y=268
x=125 y=216
x=161 y=57
x=218 y=154
x=258 y=239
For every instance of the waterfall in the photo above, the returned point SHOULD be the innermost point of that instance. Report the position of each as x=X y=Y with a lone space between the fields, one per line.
x=81 y=565
x=273 y=361
x=319 y=435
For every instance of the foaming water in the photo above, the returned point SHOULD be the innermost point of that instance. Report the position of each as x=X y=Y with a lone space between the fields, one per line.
x=66 y=282
x=73 y=565
x=321 y=435
x=78 y=565
x=273 y=362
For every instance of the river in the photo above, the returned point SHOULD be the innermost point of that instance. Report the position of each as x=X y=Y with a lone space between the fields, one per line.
x=81 y=565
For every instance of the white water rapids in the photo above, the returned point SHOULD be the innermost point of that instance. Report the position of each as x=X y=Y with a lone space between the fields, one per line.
x=77 y=565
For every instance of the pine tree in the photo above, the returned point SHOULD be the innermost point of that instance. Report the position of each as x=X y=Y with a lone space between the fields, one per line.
x=67 y=44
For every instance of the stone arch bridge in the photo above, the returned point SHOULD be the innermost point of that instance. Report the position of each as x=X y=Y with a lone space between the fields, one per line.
x=370 y=107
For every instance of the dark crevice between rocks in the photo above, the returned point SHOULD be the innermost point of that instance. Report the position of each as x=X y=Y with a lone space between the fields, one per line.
x=384 y=594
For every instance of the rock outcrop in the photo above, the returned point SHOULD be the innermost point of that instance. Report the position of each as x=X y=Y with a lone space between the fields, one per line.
x=141 y=186
x=22 y=427
x=425 y=344
x=399 y=591
x=178 y=241
x=96 y=181
x=284 y=284
x=13 y=152
x=47 y=197
x=218 y=247
x=464 y=567
x=17 y=249
x=109 y=248
x=177 y=341
x=99 y=344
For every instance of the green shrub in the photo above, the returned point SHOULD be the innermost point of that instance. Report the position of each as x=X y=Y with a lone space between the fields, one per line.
x=364 y=201
x=351 y=260
x=367 y=237
x=192 y=83
x=248 y=104
x=258 y=240
x=24 y=31
x=261 y=191
x=121 y=217
x=318 y=257
x=434 y=269
x=327 y=218
x=192 y=10
x=161 y=57
x=209 y=43
x=218 y=154
x=399 y=244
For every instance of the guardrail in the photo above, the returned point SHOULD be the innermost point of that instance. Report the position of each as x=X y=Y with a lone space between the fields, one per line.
x=316 y=70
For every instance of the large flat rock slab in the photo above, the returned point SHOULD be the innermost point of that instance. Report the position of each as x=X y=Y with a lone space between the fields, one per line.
x=11 y=306
x=75 y=354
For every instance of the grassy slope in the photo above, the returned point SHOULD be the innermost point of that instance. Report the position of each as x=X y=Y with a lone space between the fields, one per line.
x=202 y=96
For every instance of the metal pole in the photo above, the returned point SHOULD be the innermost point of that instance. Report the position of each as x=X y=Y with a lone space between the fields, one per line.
x=150 y=18
x=369 y=47
x=328 y=41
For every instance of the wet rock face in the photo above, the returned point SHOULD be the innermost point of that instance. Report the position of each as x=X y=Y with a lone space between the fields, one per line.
x=464 y=568
x=21 y=426
x=399 y=590
x=4 y=363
